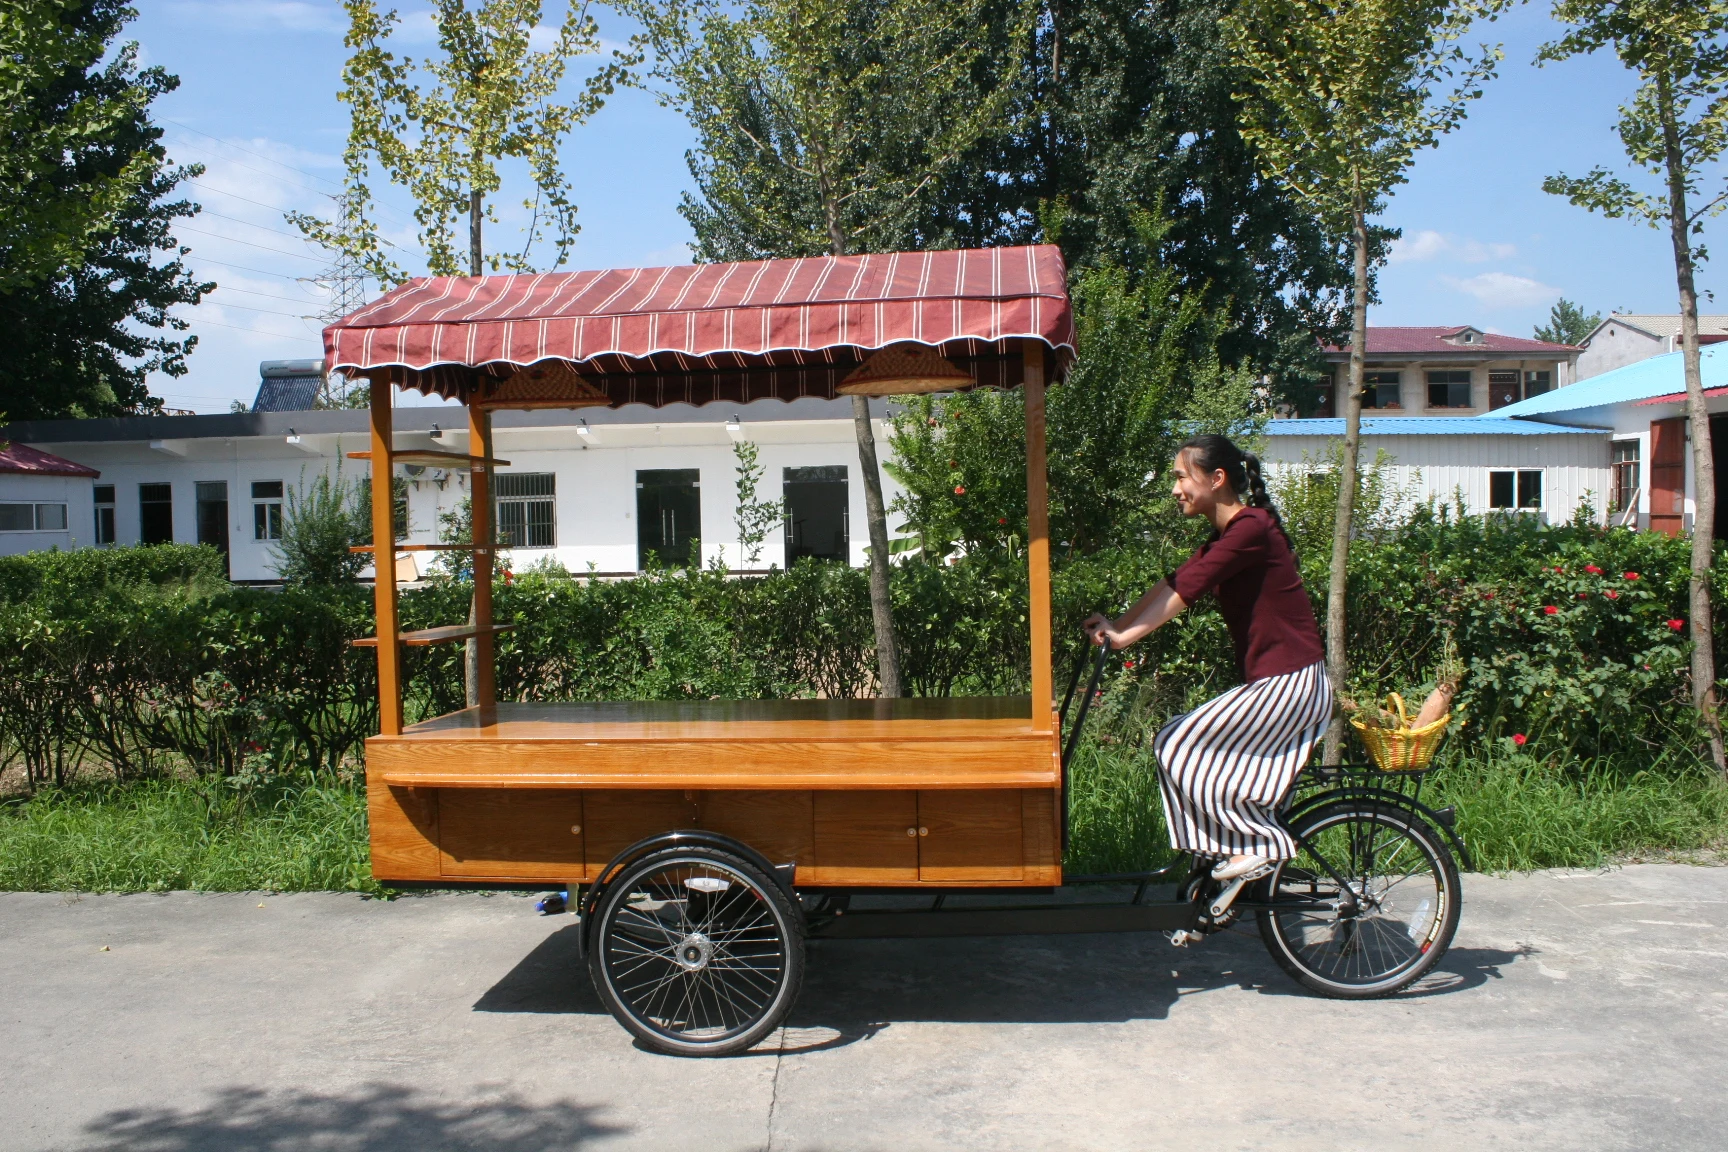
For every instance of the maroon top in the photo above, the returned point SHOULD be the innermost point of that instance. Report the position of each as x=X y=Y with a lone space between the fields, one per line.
x=1251 y=568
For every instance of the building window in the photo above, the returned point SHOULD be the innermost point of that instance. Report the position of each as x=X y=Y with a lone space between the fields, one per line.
x=1536 y=383
x=668 y=515
x=1382 y=390
x=1449 y=390
x=1626 y=478
x=818 y=517
x=211 y=498
x=32 y=517
x=155 y=513
x=104 y=494
x=524 y=503
x=266 y=509
x=1515 y=491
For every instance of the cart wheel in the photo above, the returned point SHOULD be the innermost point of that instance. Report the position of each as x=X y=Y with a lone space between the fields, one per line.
x=696 y=952
x=1394 y=925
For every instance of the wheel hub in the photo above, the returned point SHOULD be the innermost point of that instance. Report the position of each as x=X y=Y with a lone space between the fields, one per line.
x=693 y=952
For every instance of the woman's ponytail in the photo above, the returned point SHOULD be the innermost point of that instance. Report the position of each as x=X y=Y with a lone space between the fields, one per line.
x=1214 y=453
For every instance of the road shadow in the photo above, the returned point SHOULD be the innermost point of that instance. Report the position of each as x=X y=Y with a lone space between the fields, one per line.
x=374 y=1118
x=854 y=988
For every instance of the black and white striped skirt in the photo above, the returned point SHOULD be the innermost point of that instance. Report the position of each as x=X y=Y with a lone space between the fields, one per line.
x=1227 y=764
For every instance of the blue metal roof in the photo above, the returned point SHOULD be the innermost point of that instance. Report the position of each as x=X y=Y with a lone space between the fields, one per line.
x=1428 y=426
x=1657 y=376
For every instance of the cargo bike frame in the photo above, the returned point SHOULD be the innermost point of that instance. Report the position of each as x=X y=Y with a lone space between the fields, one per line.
x=709 y=839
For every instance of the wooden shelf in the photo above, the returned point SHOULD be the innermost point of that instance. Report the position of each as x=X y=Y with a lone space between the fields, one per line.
x=367 y=548
x=428 y=458
x=445 y=635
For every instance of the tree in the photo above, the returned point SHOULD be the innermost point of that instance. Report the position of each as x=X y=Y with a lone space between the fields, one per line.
x=1567 y=323
x=823 y=127
x=1123 y=107
x=753 y=517
x=486 y=97
x=1337 y=97
x=1675 y=127
x=83 y=178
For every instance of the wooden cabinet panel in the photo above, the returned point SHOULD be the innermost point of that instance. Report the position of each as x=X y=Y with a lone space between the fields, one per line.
x=861 y=838
x=404 y=824
x=617 y=819
x=970 y=836
x=777 y=824
x=513 y=832
x=1041 y=818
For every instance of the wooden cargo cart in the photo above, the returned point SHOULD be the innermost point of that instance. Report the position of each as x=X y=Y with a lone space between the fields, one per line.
x=712 y=836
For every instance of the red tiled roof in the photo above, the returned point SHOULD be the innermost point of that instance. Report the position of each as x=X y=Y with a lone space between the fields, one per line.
x=1418 y=341
x=700 y=332
x=35 y=462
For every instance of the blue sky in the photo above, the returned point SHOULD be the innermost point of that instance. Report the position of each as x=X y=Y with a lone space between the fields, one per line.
x=257 y=106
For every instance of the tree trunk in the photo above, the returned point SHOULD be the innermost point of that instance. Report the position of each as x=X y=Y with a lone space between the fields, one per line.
x=471 y=647
x=1698 y=419
x=1337 y=658
x=875 y=516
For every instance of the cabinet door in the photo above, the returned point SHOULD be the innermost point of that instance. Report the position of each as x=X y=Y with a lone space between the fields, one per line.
x=970 y=836
x=525 y=833
x=776 y=824
x=617 y=819
x=864 y=838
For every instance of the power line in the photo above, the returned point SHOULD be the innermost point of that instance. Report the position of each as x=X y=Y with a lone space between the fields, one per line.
x=244 y=268
x=254 y=331
x=271 y=295
x=311 y=175
x=248 y=243
x=249 y=152
x=266 y=311
x=236 y=195
x=249 y=224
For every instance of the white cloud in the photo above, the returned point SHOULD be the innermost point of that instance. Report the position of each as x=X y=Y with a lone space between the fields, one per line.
x=1430 y=245
x=1504 y=290
x=288 y=15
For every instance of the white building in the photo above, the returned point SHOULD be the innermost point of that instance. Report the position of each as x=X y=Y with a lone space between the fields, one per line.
x=595 y=487
x=1625 y=338
x=45 y=501
x=1492 y=464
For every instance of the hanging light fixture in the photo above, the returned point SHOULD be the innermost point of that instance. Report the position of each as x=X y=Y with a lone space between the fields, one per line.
x=904 y=370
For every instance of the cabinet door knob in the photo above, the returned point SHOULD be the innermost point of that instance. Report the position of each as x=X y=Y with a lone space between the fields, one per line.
x=575 y=829
x=911 y=831
x=923 y=831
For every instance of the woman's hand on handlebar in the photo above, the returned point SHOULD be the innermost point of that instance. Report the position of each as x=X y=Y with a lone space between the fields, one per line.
x=1099 y=628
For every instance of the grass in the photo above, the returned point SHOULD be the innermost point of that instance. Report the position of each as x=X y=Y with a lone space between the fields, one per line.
x=1515 y=812
x=203 y=835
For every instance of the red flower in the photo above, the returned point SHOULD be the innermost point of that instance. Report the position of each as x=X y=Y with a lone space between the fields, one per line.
x=1583 y=595
x=1559 y=569
x=1550 y=609
x=1611 y=594
x=1520 y=739
x=1487 y=595
x=1631 y=575
x=1676 y=625
x=1001 y=519
x=1592 y=569
x=959 y=489
x=1127 y=663
x=1646 y=667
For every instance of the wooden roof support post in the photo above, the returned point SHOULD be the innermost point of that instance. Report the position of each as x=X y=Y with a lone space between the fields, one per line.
x=384 y=558
x=1037 y=535
x=483 y=532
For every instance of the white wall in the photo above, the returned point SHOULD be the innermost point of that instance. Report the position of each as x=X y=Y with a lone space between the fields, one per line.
x=1437 y=466
x=1615 y=347
x=72 y=491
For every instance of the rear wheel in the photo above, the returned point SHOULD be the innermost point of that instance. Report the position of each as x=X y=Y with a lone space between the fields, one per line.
x=697 y=952
x=1392 y=924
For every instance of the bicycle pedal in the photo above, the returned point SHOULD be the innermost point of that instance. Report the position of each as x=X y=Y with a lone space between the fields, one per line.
x=1182 y=937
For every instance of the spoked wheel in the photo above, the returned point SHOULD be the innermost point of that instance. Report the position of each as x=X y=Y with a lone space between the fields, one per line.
x=696 y=952
x=1393 y=924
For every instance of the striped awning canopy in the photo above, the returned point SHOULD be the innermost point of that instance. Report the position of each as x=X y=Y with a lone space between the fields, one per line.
x=704 y=332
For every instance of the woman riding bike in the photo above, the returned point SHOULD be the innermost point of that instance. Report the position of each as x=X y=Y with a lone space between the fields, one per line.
x=1227 y=764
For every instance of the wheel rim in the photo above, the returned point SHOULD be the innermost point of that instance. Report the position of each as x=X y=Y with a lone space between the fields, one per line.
x=1396 y=885
x=694 y=950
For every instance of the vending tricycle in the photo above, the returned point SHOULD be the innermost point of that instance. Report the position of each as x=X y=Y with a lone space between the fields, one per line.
x=708 y=839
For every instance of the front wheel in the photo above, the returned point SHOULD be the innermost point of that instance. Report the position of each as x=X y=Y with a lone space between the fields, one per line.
x=1392 y=924
x=697 y=952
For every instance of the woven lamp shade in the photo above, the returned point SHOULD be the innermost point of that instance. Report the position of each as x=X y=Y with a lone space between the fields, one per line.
x=546 y=384
x=904 y=370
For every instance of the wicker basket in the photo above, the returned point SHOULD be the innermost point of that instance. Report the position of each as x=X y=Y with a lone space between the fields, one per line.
x=1403 y=749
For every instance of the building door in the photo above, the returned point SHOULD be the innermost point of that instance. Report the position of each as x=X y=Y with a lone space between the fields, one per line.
x=1668 y=476
x=668 y=515
x=212 y=499
x=155 y=514
x=817 y=514
x=1502 y=389
x=1719 y=456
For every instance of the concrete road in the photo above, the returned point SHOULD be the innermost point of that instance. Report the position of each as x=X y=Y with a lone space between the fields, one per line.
x=1575 y=1011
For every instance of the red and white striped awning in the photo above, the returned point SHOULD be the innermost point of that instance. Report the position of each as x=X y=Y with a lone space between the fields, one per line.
x=702 y=332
